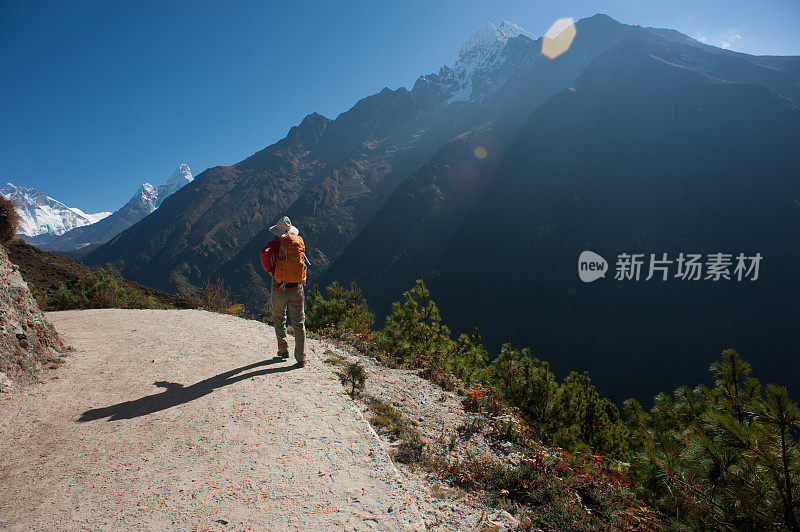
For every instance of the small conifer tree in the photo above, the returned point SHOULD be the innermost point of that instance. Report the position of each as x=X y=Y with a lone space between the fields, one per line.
x=343 y=310
x=355 y=376
x=468 y=359
x=415 y=328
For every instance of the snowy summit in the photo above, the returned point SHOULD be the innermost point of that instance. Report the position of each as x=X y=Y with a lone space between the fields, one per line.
x=149 y=197
x=182 y=176
x=487 y=38
x=479 y=68
x=43 y=218
x=146 y=200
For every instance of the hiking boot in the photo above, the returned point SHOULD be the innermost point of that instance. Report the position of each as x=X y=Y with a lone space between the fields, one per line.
x=301 y=363
x=282 y=356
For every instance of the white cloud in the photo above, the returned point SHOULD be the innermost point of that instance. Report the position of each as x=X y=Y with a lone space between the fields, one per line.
x=730 y=40
x=702 y=38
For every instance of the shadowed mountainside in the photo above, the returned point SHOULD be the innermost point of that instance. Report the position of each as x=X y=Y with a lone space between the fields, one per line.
x=658 y=148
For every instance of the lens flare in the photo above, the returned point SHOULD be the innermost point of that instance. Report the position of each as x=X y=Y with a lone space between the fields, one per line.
x=558 y=38
x=480 y=152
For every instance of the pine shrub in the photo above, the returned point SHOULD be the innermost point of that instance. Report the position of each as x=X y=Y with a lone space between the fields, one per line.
x=415 y=328
x=353 y=376
x=343 y=312
x=724 y=457
x=468 y=360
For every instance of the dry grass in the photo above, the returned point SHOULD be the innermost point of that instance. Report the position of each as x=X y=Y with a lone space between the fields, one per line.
x=334 y=359
x=440 y=491
x=216 y=297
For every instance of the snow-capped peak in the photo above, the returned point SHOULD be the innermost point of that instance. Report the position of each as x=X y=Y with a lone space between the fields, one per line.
x=480 y=56
x=182 y=176
x=491 y=36
x=44 y=217
x=91 y=217
x=149 y=197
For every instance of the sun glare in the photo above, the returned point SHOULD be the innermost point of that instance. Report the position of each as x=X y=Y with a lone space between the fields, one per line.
x=558 y=38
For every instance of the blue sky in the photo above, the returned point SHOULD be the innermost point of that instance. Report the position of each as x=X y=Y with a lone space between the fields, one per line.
x=98 y=97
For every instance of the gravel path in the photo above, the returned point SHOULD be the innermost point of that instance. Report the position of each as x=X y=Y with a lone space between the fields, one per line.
x=182 y=419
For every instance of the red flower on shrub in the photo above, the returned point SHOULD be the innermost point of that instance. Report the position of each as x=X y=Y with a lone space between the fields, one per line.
x=473 y=400
x=422 y=360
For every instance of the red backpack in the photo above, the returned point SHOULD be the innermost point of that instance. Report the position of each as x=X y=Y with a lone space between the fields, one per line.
x=269 y=255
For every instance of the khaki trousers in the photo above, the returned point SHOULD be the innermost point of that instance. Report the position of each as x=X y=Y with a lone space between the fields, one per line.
x=293 y=299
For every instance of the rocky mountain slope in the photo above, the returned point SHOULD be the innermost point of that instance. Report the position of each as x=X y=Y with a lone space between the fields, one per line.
x=43 y=218
x=331 y=176
x=658 y=147
x=147 y=199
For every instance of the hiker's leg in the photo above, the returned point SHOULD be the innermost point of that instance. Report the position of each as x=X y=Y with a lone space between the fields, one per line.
x=297 y=313
x=279 y=300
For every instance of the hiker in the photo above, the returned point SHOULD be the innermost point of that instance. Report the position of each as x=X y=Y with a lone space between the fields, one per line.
x=284 y=259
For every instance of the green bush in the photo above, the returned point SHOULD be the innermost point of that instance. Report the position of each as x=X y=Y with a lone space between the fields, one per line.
x=414 y=329
x=469 y=360
x=343 y=311
x=588 y=422
x=722 y=458
x=354 y=376
x=570 y=414
x=527 y=383
x=103 y=288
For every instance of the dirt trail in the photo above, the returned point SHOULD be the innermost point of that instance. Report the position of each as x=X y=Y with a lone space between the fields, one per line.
x=182 y=419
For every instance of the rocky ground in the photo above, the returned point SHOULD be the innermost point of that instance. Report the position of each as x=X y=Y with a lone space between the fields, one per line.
x=446 y=428
x=27 y=340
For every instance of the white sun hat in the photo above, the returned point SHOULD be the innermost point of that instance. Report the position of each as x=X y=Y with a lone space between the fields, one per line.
x=284 y=226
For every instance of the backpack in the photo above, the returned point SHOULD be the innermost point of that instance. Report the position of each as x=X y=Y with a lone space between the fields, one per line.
x=269 y=255
x=291 y=264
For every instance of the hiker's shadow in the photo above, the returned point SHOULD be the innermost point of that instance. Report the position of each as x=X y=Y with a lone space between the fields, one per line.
x=176 y=394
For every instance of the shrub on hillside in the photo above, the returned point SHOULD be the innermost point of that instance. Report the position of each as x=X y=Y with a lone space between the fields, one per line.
x=216 y=297
x=468 y=359
x=415 y=328
x=527 y=383
x=353 y=376
x=588 y=422
x=722 y=458
x=103 y=288
x=570 y=414
x=344 y=311
x=9 y=220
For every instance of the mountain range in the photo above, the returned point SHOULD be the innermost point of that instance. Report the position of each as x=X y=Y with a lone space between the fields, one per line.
x=147 y=199
x=490 y=177
x=43 y=218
